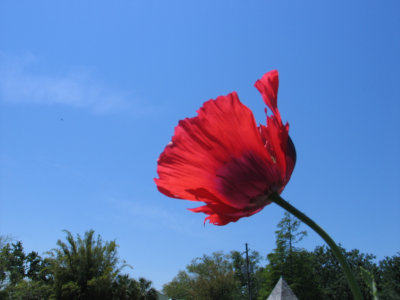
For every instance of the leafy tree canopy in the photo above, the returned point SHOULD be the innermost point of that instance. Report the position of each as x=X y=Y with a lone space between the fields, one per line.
x=78 y=268
x=216 y=276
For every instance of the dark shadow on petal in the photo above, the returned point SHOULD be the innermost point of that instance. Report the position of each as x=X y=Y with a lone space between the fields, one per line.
x=202 y=193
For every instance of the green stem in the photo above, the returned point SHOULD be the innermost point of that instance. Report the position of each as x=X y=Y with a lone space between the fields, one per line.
x=335 y=249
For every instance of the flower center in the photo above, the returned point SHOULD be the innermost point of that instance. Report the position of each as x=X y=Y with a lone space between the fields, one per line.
x=245 y=180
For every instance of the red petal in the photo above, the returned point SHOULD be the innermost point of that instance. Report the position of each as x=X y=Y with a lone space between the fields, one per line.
x=290 y=159
x=268 y=87
x=275 y=134
x=221 y=215
x=203 y=146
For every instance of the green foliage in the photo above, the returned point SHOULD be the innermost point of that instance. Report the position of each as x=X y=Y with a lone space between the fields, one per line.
x=4 y=240
x=23 y=276
x=310 y=274
x=240 y=269
x=292 y=263
x=84 y=268
x=370 y=282
x=296 y=269
x=30 y=290
x=288 y=234
x=125 y=288
x=331 y=278
x=214 y=277
x=389 y=278
x=15 y=265
x=81 y=268
x=146 y=292
x=88 y=268
x=14 y=262
x=181 y=287
x=211 y=277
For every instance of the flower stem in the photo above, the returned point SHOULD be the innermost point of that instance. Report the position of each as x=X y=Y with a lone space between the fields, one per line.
x=276 y=198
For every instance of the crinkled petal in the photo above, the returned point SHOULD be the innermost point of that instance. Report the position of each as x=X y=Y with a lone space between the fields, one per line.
x=221 y=215
x=195 y=165
x=276 y=135
x=268 y=87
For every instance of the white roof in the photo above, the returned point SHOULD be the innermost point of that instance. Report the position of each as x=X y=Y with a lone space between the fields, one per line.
x=282 y=291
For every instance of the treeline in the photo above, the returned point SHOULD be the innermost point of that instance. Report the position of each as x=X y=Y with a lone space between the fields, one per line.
x=88 y=268
x=310 y=274
x=78 y=268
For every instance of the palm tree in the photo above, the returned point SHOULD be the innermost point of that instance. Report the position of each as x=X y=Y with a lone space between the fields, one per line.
x=146 y=291
x=84 y=268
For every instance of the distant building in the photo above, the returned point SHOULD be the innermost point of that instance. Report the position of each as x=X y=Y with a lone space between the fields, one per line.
x=282 y=291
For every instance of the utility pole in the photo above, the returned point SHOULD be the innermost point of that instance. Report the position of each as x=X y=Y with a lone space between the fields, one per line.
x=248 y=272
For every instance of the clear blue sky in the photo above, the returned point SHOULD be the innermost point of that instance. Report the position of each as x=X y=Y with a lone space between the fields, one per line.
x=90 y=92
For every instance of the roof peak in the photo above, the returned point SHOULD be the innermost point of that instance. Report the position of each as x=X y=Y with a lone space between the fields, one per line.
x=282 y=291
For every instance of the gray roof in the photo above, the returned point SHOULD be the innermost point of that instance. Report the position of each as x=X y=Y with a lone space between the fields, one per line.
x=282 y=291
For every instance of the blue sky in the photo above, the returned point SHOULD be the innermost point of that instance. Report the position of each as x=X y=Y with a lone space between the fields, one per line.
x=90 y=92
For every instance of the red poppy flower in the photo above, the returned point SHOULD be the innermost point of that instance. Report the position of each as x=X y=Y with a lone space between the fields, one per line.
x=223 y=159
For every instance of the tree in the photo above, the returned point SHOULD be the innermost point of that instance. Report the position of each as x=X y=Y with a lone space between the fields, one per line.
x=146 y=292
x=181 y=286
x=126 y=288
x=81 y=268
x=214 y=277
x=287 y=236
x=240 y=268
x=289 y=261
x=14 y=257
x=23 y=276
x=208 y=277
x=84 y=268
x=4 y=240
x=330 y=277
x=312 y=275
x=299 y=274
x=389 y=278
x=29 y=290
x=15 y=265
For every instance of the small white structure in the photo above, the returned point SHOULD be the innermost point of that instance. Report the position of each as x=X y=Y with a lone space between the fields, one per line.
x=282 y=291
